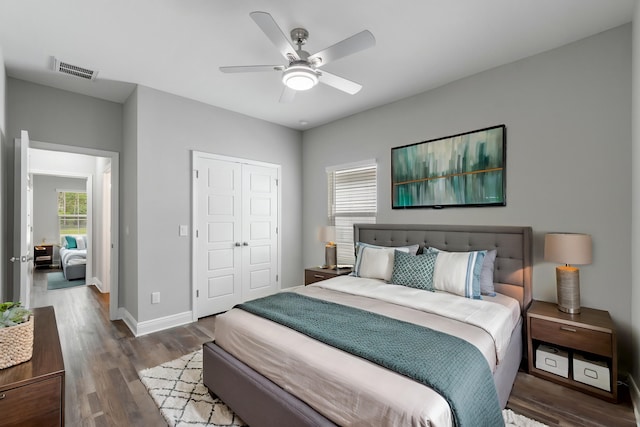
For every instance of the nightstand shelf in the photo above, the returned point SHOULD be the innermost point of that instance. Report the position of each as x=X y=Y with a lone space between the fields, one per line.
x=591 y=332
x=316 y=274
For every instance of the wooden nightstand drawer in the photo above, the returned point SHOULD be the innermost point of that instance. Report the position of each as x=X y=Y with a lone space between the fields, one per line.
x=315 y=274
x=571 y=336
x=311 y=276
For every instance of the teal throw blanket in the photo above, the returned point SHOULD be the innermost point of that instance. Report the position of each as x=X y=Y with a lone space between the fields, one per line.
x=451 y=366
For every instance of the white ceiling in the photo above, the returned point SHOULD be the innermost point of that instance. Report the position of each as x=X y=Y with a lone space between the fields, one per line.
x=177 y=46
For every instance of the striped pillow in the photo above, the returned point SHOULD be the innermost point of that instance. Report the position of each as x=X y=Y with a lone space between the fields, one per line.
x=458 y=272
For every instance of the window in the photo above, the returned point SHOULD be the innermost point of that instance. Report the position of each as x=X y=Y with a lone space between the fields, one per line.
x=353 y=195
x=72 y=213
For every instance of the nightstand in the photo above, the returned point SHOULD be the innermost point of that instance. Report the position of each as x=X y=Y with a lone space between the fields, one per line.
x=316 y=274
x=590 y=333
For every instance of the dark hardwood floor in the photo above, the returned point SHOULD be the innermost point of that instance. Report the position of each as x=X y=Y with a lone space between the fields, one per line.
x=102 y=359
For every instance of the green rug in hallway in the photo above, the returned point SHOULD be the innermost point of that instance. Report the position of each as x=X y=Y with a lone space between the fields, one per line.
x=56 y=280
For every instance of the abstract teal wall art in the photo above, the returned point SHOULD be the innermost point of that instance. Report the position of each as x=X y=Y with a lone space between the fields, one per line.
x=467 y=169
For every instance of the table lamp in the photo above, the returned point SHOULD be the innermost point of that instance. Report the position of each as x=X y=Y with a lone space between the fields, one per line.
x=327 y=234
x=568 y=248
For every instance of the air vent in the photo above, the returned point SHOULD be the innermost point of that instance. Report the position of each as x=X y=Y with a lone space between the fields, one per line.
x=73 y=70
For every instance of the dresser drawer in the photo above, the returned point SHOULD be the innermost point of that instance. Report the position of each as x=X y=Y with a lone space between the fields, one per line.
x=572 y=337
x=36 y=404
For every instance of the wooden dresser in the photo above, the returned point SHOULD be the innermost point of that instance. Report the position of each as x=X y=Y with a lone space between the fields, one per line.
x=32 y=393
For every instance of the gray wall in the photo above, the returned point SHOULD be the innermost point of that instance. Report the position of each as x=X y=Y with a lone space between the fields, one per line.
x=568 y=118
x=168 y=129
x=128 y=296
x=3 y=189
x=635 y=229
x=59 y=117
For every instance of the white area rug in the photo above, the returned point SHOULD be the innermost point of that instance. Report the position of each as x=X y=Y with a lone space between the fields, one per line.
x=177 y=389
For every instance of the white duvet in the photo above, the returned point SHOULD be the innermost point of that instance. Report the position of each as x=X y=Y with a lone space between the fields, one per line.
x=497 y=318
x=351 y=391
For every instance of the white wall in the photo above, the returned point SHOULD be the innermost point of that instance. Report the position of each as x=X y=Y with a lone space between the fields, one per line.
x=568 y=119
x=168 y=129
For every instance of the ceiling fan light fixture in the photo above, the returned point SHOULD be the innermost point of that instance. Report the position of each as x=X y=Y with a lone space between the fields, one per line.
x=299 y=78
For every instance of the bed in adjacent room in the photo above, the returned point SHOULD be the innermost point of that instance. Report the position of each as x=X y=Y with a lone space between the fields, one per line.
x=273 y=369
x=73 y=257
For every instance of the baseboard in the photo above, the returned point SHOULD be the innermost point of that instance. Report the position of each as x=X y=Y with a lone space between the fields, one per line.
x=154 y=325
x=97 y=283
x=635 y=398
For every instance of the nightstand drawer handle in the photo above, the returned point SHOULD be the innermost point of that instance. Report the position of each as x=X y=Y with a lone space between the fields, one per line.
x=318 y=276
x=566 y=328
x=2 y=396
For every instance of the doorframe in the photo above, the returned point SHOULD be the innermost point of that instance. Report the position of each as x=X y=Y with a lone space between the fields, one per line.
x=115 y=208
x=194 y=197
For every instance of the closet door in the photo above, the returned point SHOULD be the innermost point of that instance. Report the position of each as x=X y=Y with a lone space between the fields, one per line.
x=259 y=231
x=219 y=250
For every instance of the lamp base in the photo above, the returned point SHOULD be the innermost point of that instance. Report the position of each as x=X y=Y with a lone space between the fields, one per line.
x=330 y=256
x=568 y=285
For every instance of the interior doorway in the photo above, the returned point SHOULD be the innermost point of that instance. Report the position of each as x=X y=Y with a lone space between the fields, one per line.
x=102 y=177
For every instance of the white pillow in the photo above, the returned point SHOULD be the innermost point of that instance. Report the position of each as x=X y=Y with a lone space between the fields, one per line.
x=80 y=242
x=377 y=263
x=412 y=249
x=459 y=273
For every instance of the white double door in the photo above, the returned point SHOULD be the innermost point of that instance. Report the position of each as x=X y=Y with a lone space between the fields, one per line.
x=236 y=243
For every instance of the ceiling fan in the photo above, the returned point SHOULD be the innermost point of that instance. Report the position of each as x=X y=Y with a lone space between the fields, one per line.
x=302 y=71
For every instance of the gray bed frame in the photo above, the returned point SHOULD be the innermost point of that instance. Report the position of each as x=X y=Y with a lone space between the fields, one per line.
x=260 y=402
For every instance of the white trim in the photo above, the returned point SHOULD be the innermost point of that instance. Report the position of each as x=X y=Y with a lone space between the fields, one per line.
x=635 y=399
x=352 y=165
x=154 y=325
x=97 y=283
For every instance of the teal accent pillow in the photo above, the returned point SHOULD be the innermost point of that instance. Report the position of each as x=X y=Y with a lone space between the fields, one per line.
x=71 y=242
x=414 y=271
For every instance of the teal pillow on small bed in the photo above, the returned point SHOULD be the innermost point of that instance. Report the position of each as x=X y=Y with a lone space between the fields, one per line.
x=71 y=242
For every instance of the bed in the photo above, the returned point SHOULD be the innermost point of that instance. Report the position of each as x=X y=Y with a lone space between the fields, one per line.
x=272 y=376
x=73 y=257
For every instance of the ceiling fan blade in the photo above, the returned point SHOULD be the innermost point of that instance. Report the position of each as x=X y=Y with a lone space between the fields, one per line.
x=361 y=41
x=340 y=83
x=275 y=34
x=251 y=68
x=287 y=95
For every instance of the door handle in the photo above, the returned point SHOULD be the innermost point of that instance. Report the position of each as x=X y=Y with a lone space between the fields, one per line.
x=237 y=244
x=23 y=258
x=245 y=244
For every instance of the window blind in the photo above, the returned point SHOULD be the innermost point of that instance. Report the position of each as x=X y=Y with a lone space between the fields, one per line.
x=353 y=195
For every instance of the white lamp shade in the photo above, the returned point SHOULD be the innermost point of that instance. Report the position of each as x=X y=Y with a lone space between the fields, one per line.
x=327 y=233
x=567 y=248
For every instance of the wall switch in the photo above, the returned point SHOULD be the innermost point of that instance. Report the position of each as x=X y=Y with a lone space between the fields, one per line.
x=155 y=297
x=184 y=230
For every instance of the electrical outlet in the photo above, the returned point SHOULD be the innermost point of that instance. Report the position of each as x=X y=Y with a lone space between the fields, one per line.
x=155 y=297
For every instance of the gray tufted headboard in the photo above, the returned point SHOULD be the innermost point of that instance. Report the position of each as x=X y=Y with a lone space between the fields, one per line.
x=512 y=273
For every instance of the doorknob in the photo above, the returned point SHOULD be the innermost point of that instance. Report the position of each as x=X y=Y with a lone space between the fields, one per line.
x=245 y=244
x=237 y=244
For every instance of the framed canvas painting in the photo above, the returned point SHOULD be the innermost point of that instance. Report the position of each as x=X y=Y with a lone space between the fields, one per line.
x=467 y=169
